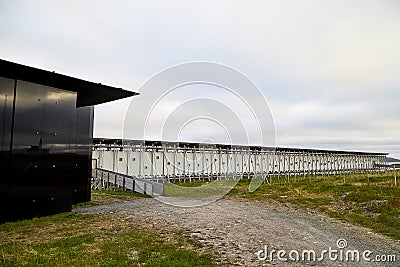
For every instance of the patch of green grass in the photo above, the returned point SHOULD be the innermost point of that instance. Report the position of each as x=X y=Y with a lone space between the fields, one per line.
x=24 y=225
x=318 y=201
x=100 y=197
x=118 y=193
x=199 y=189
x=192 y=184
x=370 y=200
x=94 y=240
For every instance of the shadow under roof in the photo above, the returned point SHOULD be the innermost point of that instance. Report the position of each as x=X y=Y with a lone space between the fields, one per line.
x=88 y=93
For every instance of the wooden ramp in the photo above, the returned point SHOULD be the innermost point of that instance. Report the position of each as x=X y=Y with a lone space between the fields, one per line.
x=108 y=180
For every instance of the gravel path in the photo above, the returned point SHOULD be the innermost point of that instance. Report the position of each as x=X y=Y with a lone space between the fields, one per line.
x=235 y=229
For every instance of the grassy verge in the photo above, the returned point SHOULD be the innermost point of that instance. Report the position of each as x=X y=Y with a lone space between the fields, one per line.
x=198 y=189
x=370 y=200
x=72 y=239
x=100 y=197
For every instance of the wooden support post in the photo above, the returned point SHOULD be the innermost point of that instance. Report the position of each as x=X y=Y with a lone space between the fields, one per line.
x=234 y=163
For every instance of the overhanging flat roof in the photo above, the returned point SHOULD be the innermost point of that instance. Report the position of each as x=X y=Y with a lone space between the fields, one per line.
x=121 y=143
x=88 y=93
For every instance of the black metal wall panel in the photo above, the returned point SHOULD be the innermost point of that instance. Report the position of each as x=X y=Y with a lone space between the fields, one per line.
x=47 y=163
x=83 y=142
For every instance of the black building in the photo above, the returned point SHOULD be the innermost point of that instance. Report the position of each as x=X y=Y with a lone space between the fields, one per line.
x=46 y=130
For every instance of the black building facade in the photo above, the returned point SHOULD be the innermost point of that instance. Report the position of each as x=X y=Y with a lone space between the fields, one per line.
x=46 y=131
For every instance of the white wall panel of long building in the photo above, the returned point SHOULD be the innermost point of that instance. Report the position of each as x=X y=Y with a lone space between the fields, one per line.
x=156 y=160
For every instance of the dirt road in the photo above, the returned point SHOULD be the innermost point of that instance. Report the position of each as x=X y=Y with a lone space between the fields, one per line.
x=235 y=229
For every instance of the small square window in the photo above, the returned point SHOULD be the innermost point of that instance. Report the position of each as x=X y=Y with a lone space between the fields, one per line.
x=157 y=157
x=133 y=159
x=120 y=159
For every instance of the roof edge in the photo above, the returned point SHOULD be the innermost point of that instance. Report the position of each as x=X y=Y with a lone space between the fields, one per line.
x=89 y=93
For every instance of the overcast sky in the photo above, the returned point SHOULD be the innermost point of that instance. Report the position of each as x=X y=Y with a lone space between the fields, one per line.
x=330 y=70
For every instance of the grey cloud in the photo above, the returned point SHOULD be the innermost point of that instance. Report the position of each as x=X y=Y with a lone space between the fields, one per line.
x=342 y=55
